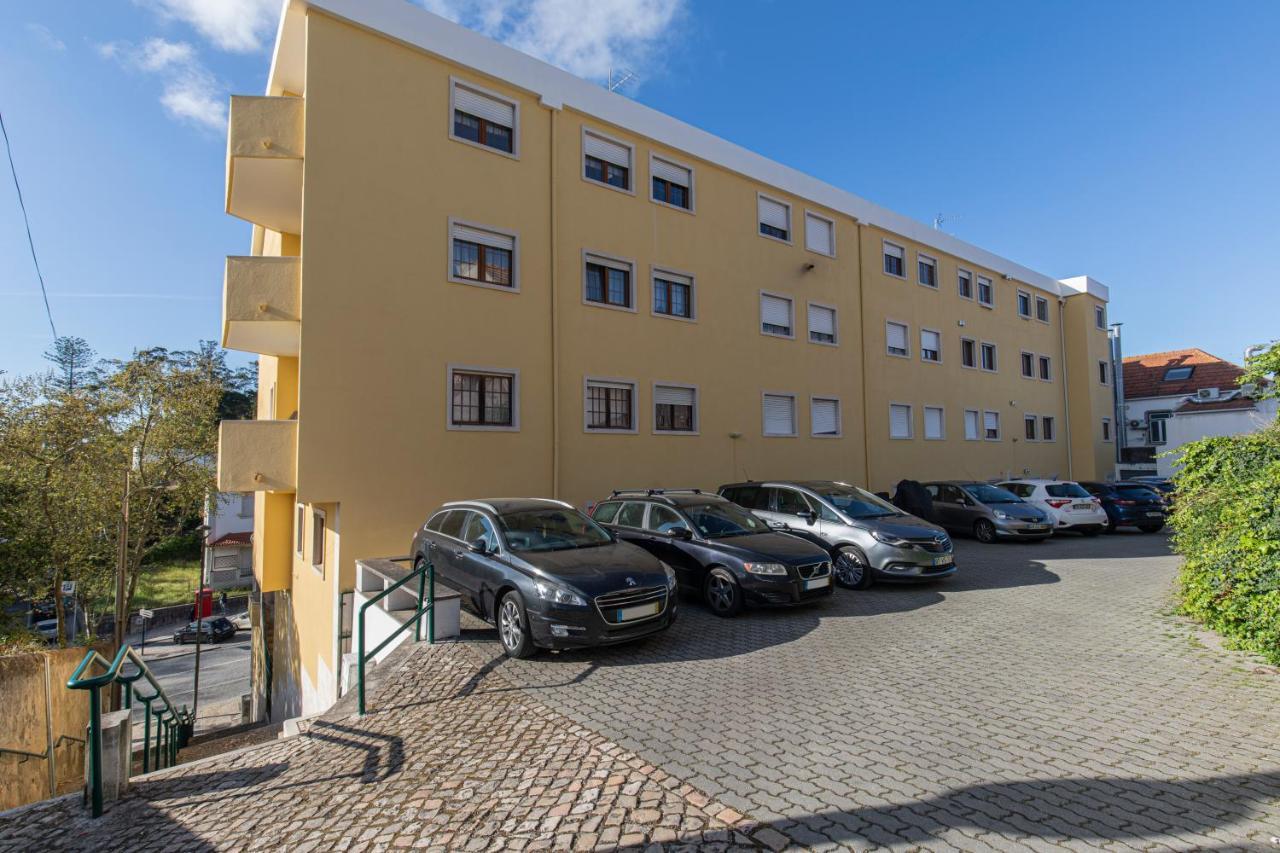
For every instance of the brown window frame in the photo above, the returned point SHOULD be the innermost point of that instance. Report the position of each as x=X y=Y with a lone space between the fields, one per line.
x=604 y=269
x=600 y=391
x=481 y=263
x=482 y=136
x=666 y=285
x=606 y=168
x=481 y=407
x=665 y=198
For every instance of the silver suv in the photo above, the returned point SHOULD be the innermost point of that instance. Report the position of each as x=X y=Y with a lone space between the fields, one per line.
x=868 y=538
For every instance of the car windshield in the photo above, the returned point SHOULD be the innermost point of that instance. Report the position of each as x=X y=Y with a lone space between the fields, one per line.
x=1136 y=492
x=556 y=529
x=856 y=503
x=1066 y=490
x=722 y=519
x=988 y=494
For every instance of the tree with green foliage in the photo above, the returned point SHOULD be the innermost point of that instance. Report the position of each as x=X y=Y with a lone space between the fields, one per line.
x=1261 y=370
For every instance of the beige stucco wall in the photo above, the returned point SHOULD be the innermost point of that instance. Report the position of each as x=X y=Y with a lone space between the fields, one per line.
x=1091 y=401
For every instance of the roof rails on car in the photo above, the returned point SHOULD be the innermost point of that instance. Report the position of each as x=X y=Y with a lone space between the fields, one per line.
x=619 y=492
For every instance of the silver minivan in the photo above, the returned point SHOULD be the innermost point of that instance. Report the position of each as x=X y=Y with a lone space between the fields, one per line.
x=868 y=538
x=987 y=512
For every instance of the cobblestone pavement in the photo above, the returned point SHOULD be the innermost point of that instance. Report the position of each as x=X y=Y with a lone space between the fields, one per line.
x=1038 y=699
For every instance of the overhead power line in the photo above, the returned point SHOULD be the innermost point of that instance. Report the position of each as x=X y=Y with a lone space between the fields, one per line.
x=27 y=222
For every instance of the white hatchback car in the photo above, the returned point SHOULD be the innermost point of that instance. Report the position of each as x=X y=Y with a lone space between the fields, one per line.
x=1069 y=506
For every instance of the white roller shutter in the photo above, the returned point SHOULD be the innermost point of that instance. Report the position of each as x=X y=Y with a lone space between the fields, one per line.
x=991 y=421
x=603 y=149
x=484 y=238
x=775 y=311
x=775 y=214
x=825 y=417
x=817 y=235
x=483 y=106
x=897 y=336
x=893 y=251
x=899 y=421
x=971 y=425
x=609 y=262
x=671 y=172
x=932 y=422
x=670 y=395
x=822 y=320
x=779 y=415
x=930 y=340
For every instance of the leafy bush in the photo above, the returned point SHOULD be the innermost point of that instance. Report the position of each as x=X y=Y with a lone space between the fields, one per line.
x=1227 y=526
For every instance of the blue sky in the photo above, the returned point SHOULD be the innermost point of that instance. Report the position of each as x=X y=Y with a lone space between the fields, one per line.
x=1134 y=142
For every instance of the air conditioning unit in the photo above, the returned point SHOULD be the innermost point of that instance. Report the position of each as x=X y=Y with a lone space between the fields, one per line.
x=1206 y=393
x=1137 y=425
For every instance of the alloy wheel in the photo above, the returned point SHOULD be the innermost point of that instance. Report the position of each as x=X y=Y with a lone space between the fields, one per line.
x=849 y=569
x=509 y=627
x=985 y=531
x=721 y=593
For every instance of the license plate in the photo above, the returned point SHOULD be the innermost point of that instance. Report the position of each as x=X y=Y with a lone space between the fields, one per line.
x=942 y=561
x=817 y=583
x=640 y=611
x=1155 y=515
x=1037 y=527
x=1083 y=506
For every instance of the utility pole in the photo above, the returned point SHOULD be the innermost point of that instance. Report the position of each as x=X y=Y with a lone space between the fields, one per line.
x=122 y=562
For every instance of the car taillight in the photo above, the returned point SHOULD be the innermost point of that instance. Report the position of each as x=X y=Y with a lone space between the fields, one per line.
x=1119 y=502
x=1058 y=503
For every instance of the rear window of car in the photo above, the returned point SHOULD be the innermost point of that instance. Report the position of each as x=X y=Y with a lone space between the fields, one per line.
x=606 y=512
x=1137 y=492
x=632 y=514
x=751 y=497
x=1065 y=490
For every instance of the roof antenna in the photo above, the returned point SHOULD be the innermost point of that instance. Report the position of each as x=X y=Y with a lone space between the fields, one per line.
x=940 y=219
x=619 y=77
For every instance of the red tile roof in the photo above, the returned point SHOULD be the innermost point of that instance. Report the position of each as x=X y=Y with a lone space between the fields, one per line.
x=1237 y=404
x=229 y=539
x=1144 y=374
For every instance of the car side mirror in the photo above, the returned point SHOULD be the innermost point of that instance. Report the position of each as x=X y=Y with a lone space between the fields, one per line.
x=681 y=533
x=810 y=517
x=480 y=546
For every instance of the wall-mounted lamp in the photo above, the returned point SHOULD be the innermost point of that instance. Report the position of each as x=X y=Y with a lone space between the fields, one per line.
x=808 y=267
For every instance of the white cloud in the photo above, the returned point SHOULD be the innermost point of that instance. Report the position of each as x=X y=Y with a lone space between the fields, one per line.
x=45 y=36
x=240 y=26
x=586 y=39
x=190 y=91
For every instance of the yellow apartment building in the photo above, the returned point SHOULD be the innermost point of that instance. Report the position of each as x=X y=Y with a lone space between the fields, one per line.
x=473 y=274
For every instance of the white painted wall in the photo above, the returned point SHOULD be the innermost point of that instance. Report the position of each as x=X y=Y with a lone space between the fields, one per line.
x=225 y=514
x=1186 y=427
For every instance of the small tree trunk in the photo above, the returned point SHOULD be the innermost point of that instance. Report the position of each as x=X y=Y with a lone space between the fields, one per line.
x=58 y=607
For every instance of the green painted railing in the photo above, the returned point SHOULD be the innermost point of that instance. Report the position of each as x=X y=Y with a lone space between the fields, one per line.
x=173 y=727
x=426 y=578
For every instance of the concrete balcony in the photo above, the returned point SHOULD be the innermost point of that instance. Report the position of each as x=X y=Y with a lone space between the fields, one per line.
x=258 y=456
x=264 y=161
x=261 y=305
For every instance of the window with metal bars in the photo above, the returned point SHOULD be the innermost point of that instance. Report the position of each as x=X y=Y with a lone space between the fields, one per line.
x=609 y=407
x=481 y=399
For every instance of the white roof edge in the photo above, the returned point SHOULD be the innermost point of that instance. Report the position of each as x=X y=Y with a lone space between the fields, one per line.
x=416 y=27
x=1084 y=284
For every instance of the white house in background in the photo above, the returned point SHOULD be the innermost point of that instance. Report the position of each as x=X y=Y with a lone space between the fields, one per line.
x=228 y=543
x=1172 y=398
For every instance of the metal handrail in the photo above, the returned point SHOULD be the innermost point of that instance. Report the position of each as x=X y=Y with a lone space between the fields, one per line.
x=173 y=727
x=426 y=576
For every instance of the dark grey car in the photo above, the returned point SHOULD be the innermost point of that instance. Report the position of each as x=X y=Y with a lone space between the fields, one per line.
x=986 y=512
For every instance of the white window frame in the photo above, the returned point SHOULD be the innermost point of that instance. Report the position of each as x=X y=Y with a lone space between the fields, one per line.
x=835 y=323
x=977 y=290
x=656 y=272
x=1048 y=310
x=906 y=327
x=795 y=416
x=514 y=373
x=839 y=433
x=921 y=257
x=515 y=256
x=587 y=256
x=1108 y=431
x=1100 y=317
x=653 y=408
x=942 y=422
x=300 y=534
x=1035 y=427
x=937 y=332
x=911 y=422
x=809 y=214
x=961 y=272
x=791 y=220
x=604 y=381
x=632 y=169
x=1023 y=292
x=1048 y=419
x=1104 y=375
x=1163 y=416
x=884 y=244
x=760 y=316
x=514 y=153
x=995 y=357
x=1022 y=363
x=693 y=196
x=999 y=425
x=316 y=512
x=1043 y=360
x=977 y=424
x=977 y=353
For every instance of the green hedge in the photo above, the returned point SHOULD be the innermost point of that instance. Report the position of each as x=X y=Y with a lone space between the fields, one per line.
x=1227 y=525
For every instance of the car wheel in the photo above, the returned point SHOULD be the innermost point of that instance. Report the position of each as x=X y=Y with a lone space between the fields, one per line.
x=984 y=531
x=513 y=627
x=850 y=568
x=723 y=595
x=1151 y=528
x=1111 y=526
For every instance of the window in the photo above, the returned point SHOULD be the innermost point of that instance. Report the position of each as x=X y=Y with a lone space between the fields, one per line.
x=927 y=270
x=1046 y=368
x=900 y=420
x=299 y=528
x=317 y=540
x=1100 y=317
x=246 y=505
x=631 y=515
x=1157 y=427
x=663 y=519
x=894 y=260
x=610 y=406
x=672 y=183
x=482 y=399
x=1174 y=374
x=991 y=426
x=1046 y=428
x=774 y=218
x=480 y=256
x=1028 y=365
x=819 y=234
x=479 y=527
x=933 y=423
x=779 y=414
x=675 y=408
x=986 y=293
x=1024 y=304
x=968 y=352
x=896 y=339
x=1042 y=309
x=930 y=345
x=822 y=324
x=482 y=118
x=791 y=502
x=1029 y=427
x=608 y=282
x=672 y=294
x=1102 y=373
x=1106 y=429
x=606 y=161
x=824 y=416
x=776 y=315
x=964 y=284
x=606 y=512
x=971 y=419
x=989 y=362
x=750 y=497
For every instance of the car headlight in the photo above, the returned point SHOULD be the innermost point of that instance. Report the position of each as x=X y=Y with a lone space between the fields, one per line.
x=1000 y=514
x=558 y=595
x=889 y=539
x=765 y=568
x=671 y=576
